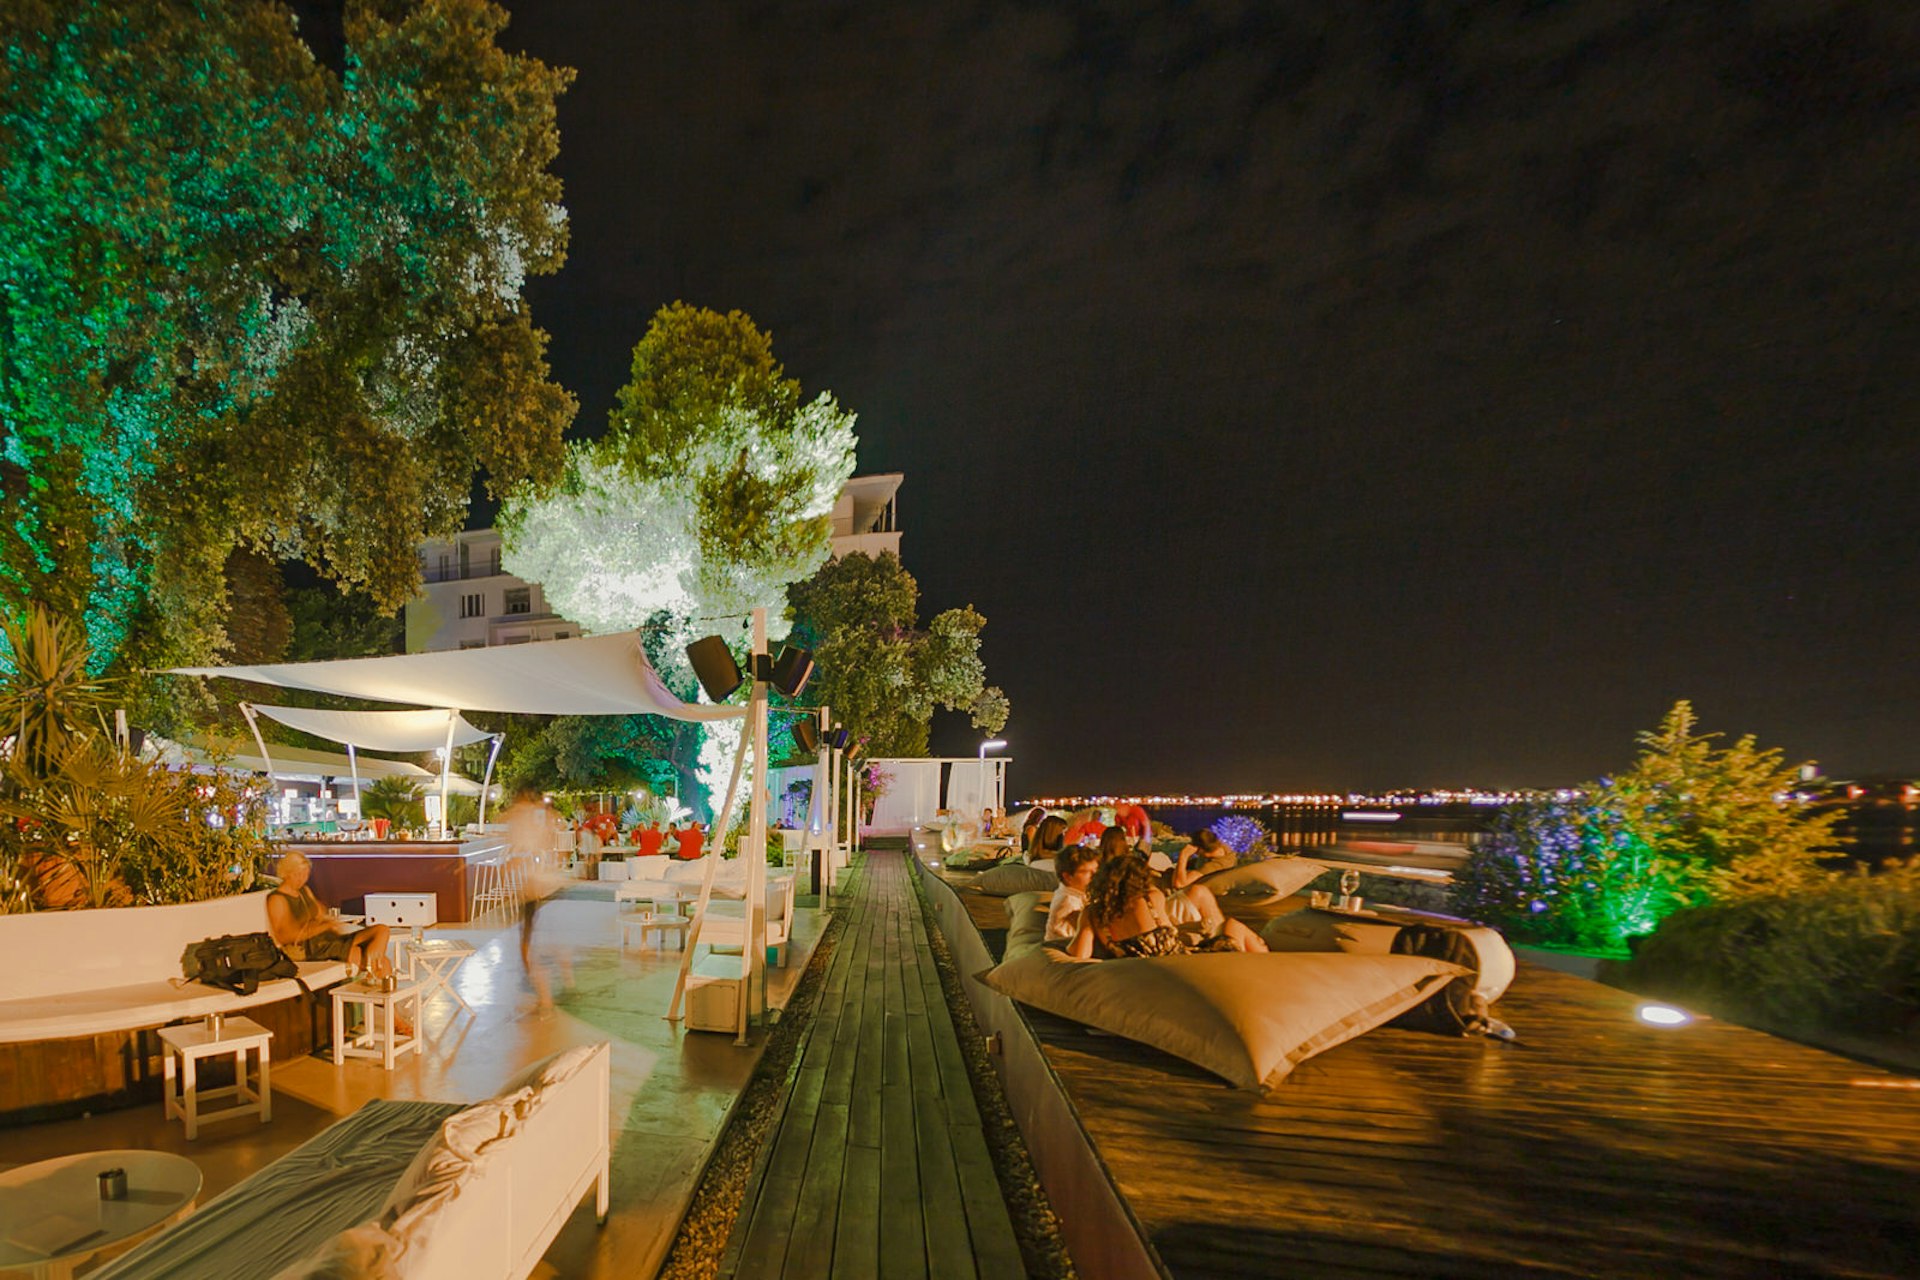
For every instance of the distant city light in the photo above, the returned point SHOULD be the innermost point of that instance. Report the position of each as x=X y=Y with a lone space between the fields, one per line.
x=1664 y=1015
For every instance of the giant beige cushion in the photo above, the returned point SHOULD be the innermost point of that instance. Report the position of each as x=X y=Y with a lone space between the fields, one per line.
x=1249 y=1019
x=1026 y=921
x=1268 y=878
x=1015 y=877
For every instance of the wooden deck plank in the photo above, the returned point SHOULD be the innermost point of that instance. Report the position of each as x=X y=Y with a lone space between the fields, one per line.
x=877 y=1165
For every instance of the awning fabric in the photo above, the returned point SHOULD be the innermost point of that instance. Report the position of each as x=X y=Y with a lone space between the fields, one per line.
x=378 y=730
x=585 y=676
x=304 y=762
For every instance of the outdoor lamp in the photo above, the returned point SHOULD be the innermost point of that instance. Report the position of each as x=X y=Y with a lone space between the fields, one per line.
x=806 y=735
x=857 y=750
x=791 y=670
x=713 y=663
x=838 y=738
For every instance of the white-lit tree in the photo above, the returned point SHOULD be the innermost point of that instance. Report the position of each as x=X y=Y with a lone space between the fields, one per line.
x=712 y=492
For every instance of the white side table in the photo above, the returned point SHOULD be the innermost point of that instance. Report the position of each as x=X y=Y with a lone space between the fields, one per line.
x=431 y=963
x=183 y=1047
x=380 y=1036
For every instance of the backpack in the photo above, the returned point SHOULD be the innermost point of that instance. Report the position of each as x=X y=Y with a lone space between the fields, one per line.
x=237 y=962
x=1456 y=1009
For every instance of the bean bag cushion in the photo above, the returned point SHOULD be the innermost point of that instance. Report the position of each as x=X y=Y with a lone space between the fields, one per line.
x=1026 y=922
x=978 y=856
x=1268 y=878
x=1249 y=1019
x=1015 y=877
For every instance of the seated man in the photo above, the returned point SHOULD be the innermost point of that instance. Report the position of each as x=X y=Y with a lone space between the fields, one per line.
x=689 y=840
x=1205 y=854
x=1075 y=866
x=649 y=838
x=305 y=931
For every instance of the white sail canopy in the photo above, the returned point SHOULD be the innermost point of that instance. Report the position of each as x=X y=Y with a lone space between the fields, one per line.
x=300 y=763
x=379 y=730
x=585 y=676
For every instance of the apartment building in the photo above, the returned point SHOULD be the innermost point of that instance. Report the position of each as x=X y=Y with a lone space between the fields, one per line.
x=469 y=602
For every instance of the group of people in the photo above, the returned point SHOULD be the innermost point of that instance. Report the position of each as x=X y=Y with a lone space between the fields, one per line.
x=1118 y=897
x=689 y=841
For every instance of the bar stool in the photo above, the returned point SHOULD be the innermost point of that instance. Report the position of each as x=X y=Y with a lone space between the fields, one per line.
x=491 y=886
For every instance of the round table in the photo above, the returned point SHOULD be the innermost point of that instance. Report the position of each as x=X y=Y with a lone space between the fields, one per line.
x=52 y=1218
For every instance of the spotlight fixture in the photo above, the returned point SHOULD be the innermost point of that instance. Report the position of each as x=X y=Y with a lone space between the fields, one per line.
x=713 y=664
x=855 y=751
x=788 y=672
x=791 y=670
x=806 y=734
x=838 y=738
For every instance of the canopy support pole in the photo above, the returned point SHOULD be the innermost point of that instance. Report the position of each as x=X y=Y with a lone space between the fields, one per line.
x=753 y=958
x=706 y=881
x=253 y=723
x=353 y=764
x=446 y=772
x=486 y=784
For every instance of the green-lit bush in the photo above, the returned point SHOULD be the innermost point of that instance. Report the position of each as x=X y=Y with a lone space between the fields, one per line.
x=83 y=821
x=1689 y=823
x=1842 y=952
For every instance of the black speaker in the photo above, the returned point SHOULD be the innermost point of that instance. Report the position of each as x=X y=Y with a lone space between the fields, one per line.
x=791 y=670
x=806 y=734
x=713 y=663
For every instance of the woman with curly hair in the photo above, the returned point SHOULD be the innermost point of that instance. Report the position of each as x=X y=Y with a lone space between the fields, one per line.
x=1126 y=915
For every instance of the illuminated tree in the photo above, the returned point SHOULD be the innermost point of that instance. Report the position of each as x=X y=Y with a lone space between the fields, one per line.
x=250 y=302
x=712 y=492
x=881 y=674
x=1689 y=823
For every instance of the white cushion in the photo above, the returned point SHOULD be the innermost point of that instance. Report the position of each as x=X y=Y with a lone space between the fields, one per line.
x=153 y=1003
x=1268 y=878
x=1014 y=877
x=1249 y=1019
x=365 y=1252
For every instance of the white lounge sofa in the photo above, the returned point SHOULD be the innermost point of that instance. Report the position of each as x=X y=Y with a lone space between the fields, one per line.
x=421 y=1190
x=84 y=973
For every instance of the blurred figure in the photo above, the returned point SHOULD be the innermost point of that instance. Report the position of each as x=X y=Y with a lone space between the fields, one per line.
x=531 y=839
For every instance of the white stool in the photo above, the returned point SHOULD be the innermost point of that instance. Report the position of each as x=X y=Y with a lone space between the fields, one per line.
x=490 y=886
x=432 y=965
x=183 y=1047
x=381 y=1037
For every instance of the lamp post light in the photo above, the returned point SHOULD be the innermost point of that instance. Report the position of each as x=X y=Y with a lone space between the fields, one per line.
x=991 y=744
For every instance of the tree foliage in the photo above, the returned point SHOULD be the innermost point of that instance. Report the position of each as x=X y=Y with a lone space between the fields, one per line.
x=712 y=491
x=250 y=302
x=881 y=674
x=1689 y=823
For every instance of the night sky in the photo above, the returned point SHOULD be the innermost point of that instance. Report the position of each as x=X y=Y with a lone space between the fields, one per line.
x=1353 y=395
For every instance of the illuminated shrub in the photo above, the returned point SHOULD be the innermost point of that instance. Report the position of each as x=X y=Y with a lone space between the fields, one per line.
x=1843 y=952
x=1239 y=832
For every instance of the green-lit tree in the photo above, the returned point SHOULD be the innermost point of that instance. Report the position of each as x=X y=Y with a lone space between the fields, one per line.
x=712 y=491
x=881 y=674
x=1689 y=823
x=252 y=302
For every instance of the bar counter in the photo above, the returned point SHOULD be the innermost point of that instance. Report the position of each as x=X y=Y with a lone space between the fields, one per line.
x=346 y=871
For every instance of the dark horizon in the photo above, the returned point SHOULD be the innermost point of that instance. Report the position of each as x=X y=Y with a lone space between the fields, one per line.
x=1368 y=399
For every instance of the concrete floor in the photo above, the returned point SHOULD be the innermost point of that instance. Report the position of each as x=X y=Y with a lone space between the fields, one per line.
x=672 y=1089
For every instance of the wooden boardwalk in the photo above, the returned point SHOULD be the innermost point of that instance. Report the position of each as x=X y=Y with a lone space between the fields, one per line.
x=878 y=1166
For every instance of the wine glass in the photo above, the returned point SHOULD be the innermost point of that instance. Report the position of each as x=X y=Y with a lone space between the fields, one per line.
x=1349 y=881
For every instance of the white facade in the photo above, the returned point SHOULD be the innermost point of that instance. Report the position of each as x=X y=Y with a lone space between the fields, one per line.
x=867 y=516
x=469 y=603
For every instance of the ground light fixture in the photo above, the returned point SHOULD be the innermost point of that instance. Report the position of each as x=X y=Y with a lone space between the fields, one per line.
x=1663 y=1015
